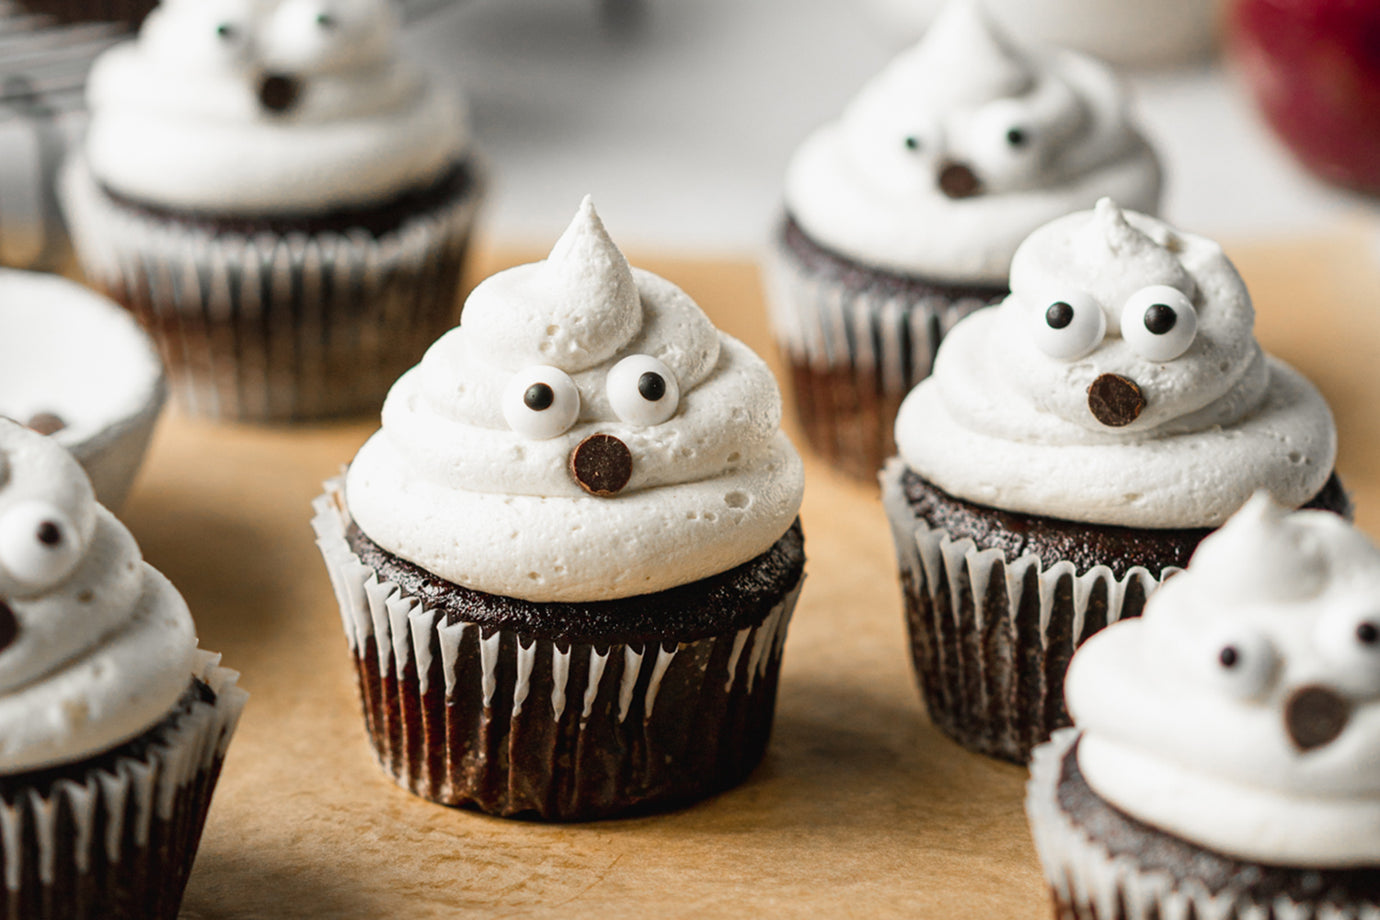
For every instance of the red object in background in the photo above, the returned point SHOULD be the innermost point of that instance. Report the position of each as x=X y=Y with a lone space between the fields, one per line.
x=1314 y=66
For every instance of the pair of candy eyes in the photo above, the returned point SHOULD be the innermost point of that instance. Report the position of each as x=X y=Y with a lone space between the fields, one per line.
x=543 y=402
x=1246 y=665
x=229 y=32
x=39 y=544
x=1017 y=138
x=1158 y=322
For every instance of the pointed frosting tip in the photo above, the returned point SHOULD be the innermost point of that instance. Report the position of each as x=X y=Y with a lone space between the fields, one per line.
x=967 y=50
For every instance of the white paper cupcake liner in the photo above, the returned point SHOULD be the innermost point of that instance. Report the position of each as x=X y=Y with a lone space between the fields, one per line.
x=465 y=714
x=271 y=326
x=992 y=674
x=119 y=841
x=1088 y=882
x=853 y=354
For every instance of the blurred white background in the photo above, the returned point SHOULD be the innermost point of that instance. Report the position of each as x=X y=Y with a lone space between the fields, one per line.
x=681 y=125
x=681 y=122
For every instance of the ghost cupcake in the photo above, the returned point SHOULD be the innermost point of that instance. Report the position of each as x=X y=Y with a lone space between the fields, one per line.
x=902 y=216
x=567 y=562
x=281 y=199
x=1072 y=447
x=113 y=726
x=1226 y=760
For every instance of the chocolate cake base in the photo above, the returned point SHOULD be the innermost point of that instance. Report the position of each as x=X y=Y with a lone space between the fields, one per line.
x=113 y=837
x=281 y=317
x=856 y=339
x=1099 y=856
x=993 y=623
x=127 y=12
x=562 y=712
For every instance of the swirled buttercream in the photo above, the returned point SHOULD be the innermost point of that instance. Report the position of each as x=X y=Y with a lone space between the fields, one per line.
x=585 y=433
x=1242 y=712
x=267 y=107
x=1119 y=383
x=963 y=146
x=95 y=645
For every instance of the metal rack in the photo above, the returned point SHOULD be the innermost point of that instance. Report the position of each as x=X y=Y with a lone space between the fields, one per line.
x=43 y=67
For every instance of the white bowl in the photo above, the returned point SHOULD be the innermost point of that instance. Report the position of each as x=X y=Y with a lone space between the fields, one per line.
x=68 y=351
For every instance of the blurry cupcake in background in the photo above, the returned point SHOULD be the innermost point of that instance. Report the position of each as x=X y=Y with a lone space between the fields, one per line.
x=567 y=562
x=1072 y=448
x=1226 y=755
x=76 y=366
x=279 y=197
x=113 y=726
x=902 y=216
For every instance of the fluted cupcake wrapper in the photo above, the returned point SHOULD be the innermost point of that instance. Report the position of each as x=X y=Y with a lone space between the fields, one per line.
x=486 y=716
x=1089 y=882
x=992 y=671
x=852 y=355
x=118 y=842
x=270 y=327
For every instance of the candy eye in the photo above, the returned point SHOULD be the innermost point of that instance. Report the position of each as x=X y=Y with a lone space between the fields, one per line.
x=1070 y=327
x=541 y=402
x=643 y=390
x=1017 y=137
x=1159 y=322
x=1242 y=663
x=228 y=33
x=912 y=142
x=1350 y=641
x=39 y=544
x=326 y=21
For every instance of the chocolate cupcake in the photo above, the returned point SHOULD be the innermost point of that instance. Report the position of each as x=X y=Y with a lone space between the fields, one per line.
x=282 y=201
x=567 y=562
x=113 y=726
x=901 y=217
x=1072 y=447
x=1225 y=761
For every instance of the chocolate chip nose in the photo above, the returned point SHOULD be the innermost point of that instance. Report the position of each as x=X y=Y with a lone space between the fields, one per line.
x=1315 y=716
x=959 y=181
x=601 y=464
x=1115 y=401
x=279 y=92
x=9 y=626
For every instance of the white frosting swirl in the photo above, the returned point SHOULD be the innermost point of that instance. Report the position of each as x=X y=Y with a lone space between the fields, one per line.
x=1242 y=712
x=178 y=117
x=449 y=485
x=1043 y=134
x=1003 y=423
x=98 y=646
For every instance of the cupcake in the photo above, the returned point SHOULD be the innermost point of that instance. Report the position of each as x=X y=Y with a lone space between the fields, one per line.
x=78 y=367
x=1072 y=447
x=279 y=197
x=567 y=561
x=902 y=217
x=113 y=726
x=1226 y=760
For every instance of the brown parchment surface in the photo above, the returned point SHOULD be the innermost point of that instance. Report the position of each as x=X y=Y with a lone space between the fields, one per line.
x=860 y=809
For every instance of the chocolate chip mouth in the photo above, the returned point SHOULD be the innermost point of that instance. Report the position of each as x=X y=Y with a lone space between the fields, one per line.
x=9 y=626
x=1115 y=401
x=601 y=464
x=279 y=92
x=1315 y=716
x=959 y=181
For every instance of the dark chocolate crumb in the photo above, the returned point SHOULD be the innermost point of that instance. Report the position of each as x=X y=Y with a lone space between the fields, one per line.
x=1315 y=716
x=279 y=92
x=959 y=181
x=49 y=534
x=601 y=464
x=47 y=422
x=1115 y=401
